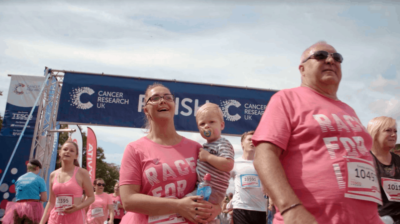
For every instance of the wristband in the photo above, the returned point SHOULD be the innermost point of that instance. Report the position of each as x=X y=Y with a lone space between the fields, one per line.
x=290 y=207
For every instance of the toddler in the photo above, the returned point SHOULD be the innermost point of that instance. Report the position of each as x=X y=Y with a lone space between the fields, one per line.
x=217 y=155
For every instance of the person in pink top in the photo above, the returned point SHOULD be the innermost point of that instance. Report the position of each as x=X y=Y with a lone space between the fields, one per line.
x=312 y=152
x=66 y=187
x=158 y=170
x=98 y=211
x=117 y=204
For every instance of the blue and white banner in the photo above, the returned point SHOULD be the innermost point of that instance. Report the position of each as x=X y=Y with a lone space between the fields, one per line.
x=118 y=101
x=22 y=95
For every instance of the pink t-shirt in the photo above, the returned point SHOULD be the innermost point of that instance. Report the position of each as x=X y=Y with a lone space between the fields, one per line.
x=118 y=213
x=160 y=170
x=316 y=133
x=98 y=210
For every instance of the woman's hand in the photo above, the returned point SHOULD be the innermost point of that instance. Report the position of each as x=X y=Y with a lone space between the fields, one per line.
x=214 y=211
x=71 y=209
x=193 y=209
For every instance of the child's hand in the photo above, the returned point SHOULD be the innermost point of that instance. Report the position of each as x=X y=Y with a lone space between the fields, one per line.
x=203 y=155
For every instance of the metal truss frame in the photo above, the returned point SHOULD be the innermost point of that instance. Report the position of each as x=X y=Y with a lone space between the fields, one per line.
x=43 y=141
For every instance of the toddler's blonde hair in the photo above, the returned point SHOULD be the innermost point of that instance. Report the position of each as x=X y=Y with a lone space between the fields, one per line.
x=211 y=107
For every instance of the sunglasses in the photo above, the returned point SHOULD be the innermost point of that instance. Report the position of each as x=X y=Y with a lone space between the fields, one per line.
x=101 y=185
x=322 y=55
x=166 y=97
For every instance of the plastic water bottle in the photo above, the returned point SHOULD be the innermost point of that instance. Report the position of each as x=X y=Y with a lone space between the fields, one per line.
x=387 y=219
x=204 y=188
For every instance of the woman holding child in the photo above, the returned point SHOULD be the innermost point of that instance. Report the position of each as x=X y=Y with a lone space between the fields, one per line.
x=158 y=170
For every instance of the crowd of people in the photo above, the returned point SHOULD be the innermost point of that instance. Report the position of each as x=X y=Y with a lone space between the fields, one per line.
x=310 y=160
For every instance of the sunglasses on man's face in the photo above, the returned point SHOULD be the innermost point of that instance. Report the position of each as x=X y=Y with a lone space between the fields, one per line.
x=322 y=55
x=101 y=185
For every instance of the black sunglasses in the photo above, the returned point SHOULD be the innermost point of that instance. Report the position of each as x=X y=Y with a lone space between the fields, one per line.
x=101 y=185
x=322 y=55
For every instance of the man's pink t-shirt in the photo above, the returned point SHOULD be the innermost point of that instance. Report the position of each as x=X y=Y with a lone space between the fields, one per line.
x=160 y=170
x=316 y=132
x=119 y=213
x=96 y=215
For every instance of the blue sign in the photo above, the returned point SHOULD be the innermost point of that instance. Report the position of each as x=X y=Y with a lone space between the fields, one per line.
x=118 y=101
x=17 y=166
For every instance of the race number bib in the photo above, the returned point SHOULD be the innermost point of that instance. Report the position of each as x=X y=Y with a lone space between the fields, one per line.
x=97 y=212
x=249 y=181
x=362 y=183
x=391 y=188
x=63 y=201
x=166 y=219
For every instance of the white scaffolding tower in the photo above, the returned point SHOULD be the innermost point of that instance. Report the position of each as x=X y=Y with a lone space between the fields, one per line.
x=43 y=141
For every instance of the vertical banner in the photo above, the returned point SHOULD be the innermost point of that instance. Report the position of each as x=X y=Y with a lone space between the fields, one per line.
x=22 y=95
x=23 y=92
x=77 y=138
x=91 y=149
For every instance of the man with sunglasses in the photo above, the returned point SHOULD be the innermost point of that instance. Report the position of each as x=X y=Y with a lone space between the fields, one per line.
x=310 y=146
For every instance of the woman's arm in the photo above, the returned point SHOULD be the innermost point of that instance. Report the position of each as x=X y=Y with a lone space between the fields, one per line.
x=88 y=187
x=43 y=196
x=134 y=201
x=51 y=202
x=111 y=210
x=120 y=205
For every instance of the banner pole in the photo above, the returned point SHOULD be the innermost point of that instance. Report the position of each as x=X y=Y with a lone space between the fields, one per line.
x=38 y=121
x=23 y=130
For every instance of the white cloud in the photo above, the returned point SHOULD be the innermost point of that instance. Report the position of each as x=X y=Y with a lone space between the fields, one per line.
x=113 y=157
x=381 y=84
x=389 y=107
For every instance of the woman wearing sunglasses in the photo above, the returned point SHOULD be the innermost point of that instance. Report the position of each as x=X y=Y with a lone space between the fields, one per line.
x=383 y=131
x=117 y=204
x=66 y=187
x=98 y=210
x=158 y=170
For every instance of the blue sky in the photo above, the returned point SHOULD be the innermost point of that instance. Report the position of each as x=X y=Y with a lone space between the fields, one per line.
x=241 y=43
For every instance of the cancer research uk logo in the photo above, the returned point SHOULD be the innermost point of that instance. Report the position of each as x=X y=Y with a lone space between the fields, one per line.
x=18 y=88
x=103 y=98
x=225 y=109
x=76 y=97
x=249 y=110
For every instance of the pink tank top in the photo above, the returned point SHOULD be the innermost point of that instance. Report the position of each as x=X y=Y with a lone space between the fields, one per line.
x=69 y=187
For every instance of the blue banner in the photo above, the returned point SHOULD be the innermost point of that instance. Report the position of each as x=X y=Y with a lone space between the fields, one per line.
x=22 y=95
x=16 y=169
x=118 y=101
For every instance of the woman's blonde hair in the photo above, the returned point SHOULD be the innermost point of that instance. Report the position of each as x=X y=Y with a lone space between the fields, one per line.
x=147 y=124
x=377 y=124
